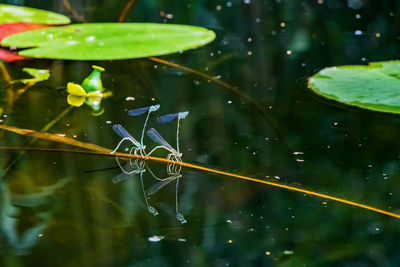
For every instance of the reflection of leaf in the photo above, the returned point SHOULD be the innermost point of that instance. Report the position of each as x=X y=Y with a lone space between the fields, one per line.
x=375 y=87
x=22 y=241
x=38 y=198
x=38 y=75
x=101 y=41
x=10 y=13
x=75 y=100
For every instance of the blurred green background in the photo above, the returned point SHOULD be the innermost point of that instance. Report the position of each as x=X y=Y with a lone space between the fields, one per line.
x=57 y=211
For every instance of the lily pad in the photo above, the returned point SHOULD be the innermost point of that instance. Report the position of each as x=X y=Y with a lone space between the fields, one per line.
x=375 y=86
x=105 y=41
x=10 y=13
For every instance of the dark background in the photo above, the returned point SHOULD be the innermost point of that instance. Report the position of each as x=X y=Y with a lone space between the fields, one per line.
x=347 y=152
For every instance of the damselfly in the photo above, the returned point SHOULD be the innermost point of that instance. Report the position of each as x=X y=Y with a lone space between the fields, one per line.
x=138 y=148
x=123 y=133
x=173 y=155
x=170 y=117
x=140 y=111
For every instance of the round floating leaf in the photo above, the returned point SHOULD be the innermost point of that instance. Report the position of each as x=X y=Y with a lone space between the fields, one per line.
x=9 y=13
x=375 y=87
x=104 y=41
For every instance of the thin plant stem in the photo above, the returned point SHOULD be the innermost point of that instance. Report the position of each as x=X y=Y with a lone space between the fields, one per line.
x=126 y=9
x=232 y=88
x=78 y=17
x=49 y=125
x=4 y=72
x=214 y=171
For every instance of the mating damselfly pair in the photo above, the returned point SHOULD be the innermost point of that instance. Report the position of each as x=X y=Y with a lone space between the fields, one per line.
x=139 y=148
x=138 y=166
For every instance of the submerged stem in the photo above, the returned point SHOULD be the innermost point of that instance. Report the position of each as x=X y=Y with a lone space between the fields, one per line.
x=4 y=72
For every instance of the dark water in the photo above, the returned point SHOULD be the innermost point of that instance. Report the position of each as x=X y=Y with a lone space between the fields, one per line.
x=62 y=209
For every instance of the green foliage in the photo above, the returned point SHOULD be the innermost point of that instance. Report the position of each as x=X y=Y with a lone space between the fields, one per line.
x=104 y=41
x=37 y=74
x=90 y=92
x=10 y=13
x=93 y=83
x=375 y=87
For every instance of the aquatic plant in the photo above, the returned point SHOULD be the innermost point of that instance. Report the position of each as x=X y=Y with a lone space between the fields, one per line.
x=90 y=92
x=12 y=13
x=105 y=41
x=38 y=75
x=375 y=86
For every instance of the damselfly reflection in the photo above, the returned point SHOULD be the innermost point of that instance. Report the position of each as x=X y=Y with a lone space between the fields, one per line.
x=174 y=172
x=138 y=168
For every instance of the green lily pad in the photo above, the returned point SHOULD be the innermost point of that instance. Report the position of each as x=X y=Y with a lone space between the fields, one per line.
x=375 y=87
x=37 y=74
x=105 y=41
x=10 y=13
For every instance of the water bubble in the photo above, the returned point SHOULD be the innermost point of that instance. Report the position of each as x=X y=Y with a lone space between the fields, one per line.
x=155 y=238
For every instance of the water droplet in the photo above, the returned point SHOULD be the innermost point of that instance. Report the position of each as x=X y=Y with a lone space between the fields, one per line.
x=90 y=38
x=156 y=238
